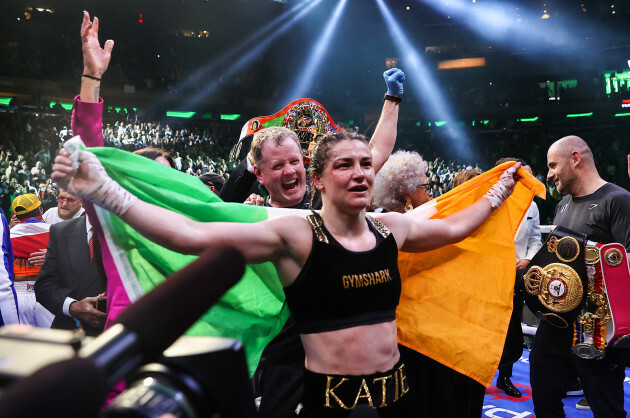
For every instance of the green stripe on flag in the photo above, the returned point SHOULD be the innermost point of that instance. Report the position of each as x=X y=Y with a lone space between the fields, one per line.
x=253 y=311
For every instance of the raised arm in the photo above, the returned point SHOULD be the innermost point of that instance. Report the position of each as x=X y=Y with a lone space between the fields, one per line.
x=384 y=138
x=414 y=233
x=87 y=114
x=95 y=59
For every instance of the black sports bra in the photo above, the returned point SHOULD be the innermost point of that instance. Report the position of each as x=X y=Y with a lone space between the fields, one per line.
x=338 y=288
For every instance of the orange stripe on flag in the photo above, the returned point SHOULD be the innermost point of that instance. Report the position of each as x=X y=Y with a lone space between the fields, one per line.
x=456 y=301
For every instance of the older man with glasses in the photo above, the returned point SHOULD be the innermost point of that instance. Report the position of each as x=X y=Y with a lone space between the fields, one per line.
x=69 y=206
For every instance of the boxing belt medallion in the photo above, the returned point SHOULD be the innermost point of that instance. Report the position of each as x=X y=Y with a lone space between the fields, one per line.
x=605 y=319
x=556 y=281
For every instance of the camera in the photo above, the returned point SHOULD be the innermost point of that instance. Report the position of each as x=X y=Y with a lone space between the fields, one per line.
x=194 y=377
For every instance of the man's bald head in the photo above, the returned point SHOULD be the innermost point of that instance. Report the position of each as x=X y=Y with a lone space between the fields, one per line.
x=572 y=166
x=565 y=147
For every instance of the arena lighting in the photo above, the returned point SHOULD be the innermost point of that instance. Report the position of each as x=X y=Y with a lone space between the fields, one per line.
x=579 y=115
x=461 y=63
x=306 y=75
x=118 y=109
x=214 y=67
x=5 y=101
x=67 y=106
x=619 y=115
x=616 y=80
x=253 y=53
x=509 y=23
x=391 y=62
x=233 y=116
x=534 y=119
x=175 y=114
x=422 y=81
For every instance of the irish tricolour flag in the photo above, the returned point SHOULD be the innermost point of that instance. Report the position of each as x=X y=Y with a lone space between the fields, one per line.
x=254 y=311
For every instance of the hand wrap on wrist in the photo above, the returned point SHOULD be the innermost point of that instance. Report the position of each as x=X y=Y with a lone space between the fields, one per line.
x=502 y=189
x=94 y=184
x=112 y=197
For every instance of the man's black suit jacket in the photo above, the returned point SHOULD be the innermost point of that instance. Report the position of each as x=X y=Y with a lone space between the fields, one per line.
x=68 y=272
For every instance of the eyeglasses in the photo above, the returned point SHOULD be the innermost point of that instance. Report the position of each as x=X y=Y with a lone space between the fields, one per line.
x=426 y=187
x=67 y=199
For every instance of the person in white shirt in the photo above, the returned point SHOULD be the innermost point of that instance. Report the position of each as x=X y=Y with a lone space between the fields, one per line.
x=527 y=242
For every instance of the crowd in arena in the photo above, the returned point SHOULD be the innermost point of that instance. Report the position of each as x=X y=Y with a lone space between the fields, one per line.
x=29 y=141
x=340 y=257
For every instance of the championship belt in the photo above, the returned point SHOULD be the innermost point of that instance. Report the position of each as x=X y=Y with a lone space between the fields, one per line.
x=556 y=281
x=306 y=117
x=605 y=319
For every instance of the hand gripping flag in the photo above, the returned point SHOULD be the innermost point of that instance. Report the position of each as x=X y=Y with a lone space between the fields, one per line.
x=456 y=301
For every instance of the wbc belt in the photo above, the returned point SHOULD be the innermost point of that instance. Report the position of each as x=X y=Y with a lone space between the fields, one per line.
x=605 y=319
x=556 y=281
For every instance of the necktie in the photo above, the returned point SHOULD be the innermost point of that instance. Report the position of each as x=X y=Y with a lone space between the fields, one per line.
x=91 y=244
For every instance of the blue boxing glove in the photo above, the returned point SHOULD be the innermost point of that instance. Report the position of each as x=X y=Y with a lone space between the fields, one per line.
x=394 y=80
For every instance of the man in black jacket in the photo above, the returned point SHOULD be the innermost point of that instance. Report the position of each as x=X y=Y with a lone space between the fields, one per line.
x=72 y=277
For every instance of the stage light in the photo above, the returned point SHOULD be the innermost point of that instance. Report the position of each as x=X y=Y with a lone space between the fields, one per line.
x=67 y=106
x=534 y=119
x=461 y=63
x=175 y=114
x=244 y=47
x=579 y=115
x=234 y=116
x=423 y=83
x=253 y=51
x=306 y=75
x=504 y=22
x=391 y=62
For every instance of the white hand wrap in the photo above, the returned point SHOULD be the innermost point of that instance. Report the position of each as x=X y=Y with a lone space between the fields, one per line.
x=502 y=189
x=95 y=185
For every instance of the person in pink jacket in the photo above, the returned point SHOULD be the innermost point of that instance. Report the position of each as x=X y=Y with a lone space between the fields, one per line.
x=87 y=121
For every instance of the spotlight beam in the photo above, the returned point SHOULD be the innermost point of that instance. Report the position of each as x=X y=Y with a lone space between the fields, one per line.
x=497 y=21
x=251 y=55
x=306 y=75
x=192 y=82
x=424 y=85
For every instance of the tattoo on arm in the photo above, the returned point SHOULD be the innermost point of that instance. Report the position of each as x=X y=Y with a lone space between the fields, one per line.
x=96 y=93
